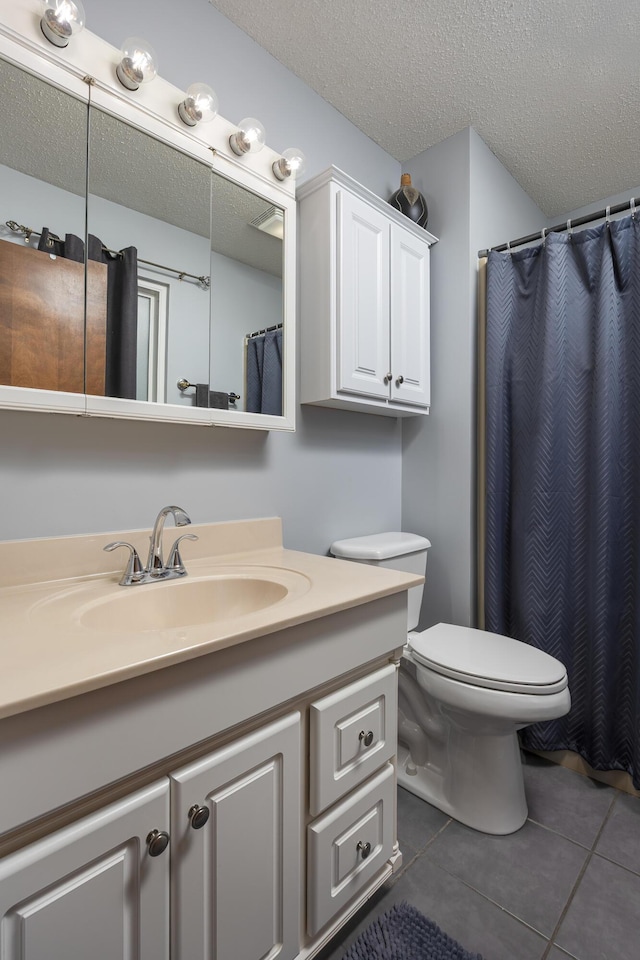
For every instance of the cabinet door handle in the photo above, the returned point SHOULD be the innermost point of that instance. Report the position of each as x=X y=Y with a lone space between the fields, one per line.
x=157 y=842
x=364 y=849
x=399 y=380
x=366 y=738
x=198 y=816
x=388 y=379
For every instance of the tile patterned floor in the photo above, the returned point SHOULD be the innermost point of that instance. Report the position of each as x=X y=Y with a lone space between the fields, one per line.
x=564 y=887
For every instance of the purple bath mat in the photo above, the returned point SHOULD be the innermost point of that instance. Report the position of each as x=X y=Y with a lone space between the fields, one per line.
x=403 y=933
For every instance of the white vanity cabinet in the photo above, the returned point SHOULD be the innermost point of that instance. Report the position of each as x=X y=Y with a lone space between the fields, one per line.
x=365 y=307
x=353 y=735
x=232 y=840
x=92 y=889
x=236 y=878
x=281 y=816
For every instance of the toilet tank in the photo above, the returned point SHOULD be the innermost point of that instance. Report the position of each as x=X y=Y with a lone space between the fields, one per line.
x=398 y=551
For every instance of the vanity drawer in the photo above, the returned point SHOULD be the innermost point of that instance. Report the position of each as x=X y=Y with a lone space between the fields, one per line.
x=347 y=846
x=352 y=733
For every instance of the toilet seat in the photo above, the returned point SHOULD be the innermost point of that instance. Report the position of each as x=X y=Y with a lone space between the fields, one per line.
x=484 y=659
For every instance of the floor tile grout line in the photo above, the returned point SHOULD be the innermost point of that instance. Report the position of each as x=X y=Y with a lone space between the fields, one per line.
x=558 y=833
x=419 y=852
x=488 y=899
x=574 y=889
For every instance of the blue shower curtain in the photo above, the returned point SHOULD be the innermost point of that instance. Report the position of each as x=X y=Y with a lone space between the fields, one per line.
x=264 y=373
x=563 y=477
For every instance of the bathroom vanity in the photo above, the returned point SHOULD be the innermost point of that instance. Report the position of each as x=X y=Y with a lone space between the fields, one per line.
x=193 y=779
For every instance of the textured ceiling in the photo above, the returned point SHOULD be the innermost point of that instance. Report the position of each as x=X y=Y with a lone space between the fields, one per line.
x=552 y=86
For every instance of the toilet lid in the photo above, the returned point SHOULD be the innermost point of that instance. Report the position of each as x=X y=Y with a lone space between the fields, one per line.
x=487 y=660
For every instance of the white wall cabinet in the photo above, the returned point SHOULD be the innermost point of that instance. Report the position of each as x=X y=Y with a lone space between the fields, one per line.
x=365 y=309
x=217 y=756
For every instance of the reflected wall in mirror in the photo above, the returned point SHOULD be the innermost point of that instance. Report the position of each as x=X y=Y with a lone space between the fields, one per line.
x=148 y=215
x=194 y=282
x=42 y=224
x=247 y=298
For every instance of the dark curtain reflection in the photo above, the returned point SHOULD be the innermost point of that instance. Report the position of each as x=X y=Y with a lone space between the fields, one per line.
x=122 y=305
x=264 y=373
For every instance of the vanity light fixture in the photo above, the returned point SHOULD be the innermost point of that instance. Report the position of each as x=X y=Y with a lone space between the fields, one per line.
x=291 y=164
x=139 y=63
x=61 y=20
x=199 y=106
x=248 y=138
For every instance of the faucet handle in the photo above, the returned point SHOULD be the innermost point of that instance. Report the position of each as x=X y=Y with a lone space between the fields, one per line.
x=134 y=570
x=174 y=563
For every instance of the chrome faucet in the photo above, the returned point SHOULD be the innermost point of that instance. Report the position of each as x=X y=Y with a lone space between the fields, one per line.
x=156 y=569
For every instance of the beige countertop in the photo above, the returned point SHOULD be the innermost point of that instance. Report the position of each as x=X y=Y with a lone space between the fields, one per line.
x=81 y=631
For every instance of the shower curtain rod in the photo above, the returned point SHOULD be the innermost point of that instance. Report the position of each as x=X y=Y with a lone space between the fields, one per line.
x=257 y=333
x=205 y=282
x=561 y=227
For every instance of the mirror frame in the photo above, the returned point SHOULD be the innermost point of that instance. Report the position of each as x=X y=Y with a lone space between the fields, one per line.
x=153 y=109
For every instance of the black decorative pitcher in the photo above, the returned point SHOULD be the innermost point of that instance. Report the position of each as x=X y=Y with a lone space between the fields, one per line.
x=410 y=201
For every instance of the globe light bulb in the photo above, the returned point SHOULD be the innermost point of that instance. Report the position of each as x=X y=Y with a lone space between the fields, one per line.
x=61 y=20
x=139 y=63
x=199 y=106
x=248 y=138
x=292 y=164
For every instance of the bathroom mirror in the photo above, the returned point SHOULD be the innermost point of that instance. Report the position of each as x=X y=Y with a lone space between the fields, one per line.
x=42 y=214
x=175 y=299
x=195 y=280
x=148 y=221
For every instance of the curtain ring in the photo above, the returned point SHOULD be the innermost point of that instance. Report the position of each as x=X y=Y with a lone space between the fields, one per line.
x=569 y=228
x=509 y=247
x=632 y=204
x=608 y=215
x=544 y=236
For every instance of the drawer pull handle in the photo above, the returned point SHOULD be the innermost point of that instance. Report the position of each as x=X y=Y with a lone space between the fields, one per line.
x=388 y=379
x=366 y=738
x=364 y=849
x=198 y=816
x=399 y=380
x=157 y=842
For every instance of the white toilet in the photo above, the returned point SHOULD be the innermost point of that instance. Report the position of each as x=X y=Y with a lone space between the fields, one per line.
x=463 y=695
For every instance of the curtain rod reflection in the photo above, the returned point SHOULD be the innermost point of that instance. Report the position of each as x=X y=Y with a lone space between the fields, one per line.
x=258 y=333
x=28 y=232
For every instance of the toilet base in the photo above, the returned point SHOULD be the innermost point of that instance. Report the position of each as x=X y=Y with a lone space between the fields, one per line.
x=483 y=788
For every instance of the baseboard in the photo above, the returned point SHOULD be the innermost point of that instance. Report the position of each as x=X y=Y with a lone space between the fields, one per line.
x=614 y=778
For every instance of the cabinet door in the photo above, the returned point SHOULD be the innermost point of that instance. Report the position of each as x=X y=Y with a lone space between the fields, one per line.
x=410 y=307
x=236 y=890
x=363 y=298
x=91 y=889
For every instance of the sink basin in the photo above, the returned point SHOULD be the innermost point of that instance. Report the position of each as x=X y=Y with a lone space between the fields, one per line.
x=224 y=595
x=182 y=603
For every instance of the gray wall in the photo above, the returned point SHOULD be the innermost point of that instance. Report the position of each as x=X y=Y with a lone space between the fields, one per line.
x=473 y=203
x=338 y=475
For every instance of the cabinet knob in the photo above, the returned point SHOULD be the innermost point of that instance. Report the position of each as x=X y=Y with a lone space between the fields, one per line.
x=366 y=738
x=364 y=849
x=198 y=816
x=399 y=380
x=157 y=842
x=388 y=379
